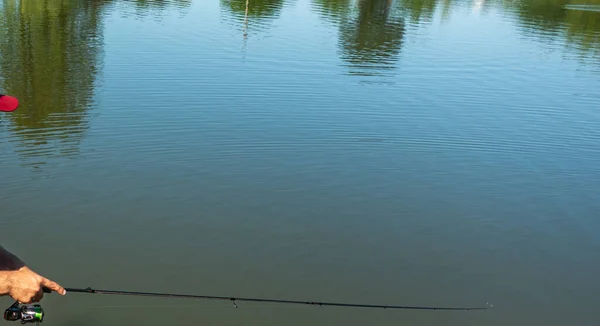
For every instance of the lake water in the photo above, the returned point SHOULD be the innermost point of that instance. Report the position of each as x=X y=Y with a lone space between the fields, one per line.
x=409 y=152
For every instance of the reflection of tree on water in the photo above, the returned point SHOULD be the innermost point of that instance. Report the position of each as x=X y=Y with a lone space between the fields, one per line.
x=546 y=20
x=161 y=4
x=146 y=7
x=257 y=9
x=50 y=58
x=50 y=55
x=252 y=13
x=584 y=30
x=420 y=10
x=371 y=40
x=334 y=10
x=549 y=20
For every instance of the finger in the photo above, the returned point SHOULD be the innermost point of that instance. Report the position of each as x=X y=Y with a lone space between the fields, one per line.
x=53 y=286
x=24 y=300
x=38 y=297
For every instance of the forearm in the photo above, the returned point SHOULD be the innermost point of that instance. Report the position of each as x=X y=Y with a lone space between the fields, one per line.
x=9 y=262
x=5 y=282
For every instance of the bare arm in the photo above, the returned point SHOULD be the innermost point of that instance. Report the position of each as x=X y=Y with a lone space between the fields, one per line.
x=9 y=262
x=20 y=282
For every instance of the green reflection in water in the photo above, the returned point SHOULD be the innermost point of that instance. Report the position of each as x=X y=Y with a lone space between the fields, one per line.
x=546 y=20
x=420 y=10
x=51 y=53
x=371 y=37
x=549 y=20
x=51 y=57
x=257 y=9
x=370 y=33
x=332 y=10
x=143 y=8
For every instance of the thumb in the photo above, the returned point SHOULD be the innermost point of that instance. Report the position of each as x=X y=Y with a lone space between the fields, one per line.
x=52 y=286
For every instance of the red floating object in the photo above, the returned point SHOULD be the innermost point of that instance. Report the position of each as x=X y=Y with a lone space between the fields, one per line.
x=8 y=103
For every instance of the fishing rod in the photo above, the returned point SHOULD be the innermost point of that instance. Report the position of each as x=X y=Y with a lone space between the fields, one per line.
x=35 y=313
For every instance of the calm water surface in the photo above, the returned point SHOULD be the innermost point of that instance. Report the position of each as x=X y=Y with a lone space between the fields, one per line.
x=402 y=152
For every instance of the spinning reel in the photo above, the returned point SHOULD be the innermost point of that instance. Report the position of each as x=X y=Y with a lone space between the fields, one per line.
x=25 y=313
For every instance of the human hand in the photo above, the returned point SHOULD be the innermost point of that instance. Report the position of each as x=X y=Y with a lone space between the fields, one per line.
x=26 y=286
